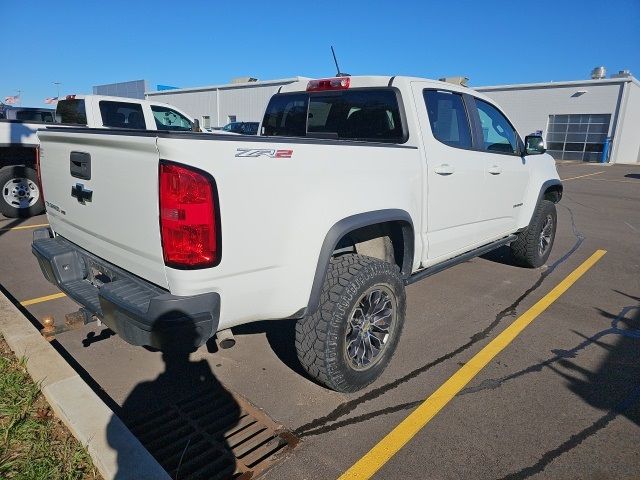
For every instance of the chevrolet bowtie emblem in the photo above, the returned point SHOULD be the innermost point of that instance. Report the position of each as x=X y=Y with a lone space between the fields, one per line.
x=81 y=193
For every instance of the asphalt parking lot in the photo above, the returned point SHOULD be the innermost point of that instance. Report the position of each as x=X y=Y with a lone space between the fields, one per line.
x=562 y=400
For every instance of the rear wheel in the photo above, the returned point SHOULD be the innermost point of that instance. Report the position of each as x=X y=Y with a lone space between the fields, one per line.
x=351 y=338
x=533 y=245
x=20 y=195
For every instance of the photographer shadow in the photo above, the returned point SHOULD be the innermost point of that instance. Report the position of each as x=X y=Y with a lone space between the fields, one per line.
x=182 y=417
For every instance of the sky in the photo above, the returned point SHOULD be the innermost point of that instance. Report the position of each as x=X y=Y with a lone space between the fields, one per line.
x=196 y=43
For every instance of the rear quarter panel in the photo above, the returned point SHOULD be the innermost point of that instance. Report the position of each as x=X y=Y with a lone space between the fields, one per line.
x=276 y=212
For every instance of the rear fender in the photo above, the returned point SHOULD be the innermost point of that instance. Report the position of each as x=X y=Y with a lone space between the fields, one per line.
x=349 y=224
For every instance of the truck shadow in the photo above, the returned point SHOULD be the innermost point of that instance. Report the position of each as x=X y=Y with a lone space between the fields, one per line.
x=618 y=375
x=501 y=255
x=11 y=223
x=182 y=417
x=612 y=387
x=281 y=336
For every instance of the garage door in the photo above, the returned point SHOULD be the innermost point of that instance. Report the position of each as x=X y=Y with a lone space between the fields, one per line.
x=577 y=137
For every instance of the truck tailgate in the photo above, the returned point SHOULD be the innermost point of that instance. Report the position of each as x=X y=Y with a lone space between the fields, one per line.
x=101 y=192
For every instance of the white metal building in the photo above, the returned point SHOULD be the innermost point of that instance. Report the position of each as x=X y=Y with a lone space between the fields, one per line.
x=577 y=117
x=217 y=105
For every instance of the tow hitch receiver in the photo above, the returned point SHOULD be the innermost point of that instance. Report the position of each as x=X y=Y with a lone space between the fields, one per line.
x=72 y=321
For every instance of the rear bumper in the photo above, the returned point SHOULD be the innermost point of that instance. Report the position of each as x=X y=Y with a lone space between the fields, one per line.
x=138 y=311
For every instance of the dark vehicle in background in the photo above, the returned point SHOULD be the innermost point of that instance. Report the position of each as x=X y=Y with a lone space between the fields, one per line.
x=243 y=128
x=20 y=194
x=27 y=114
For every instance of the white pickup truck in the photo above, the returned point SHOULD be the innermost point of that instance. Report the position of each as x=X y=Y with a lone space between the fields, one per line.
x=20 y=194
x=356 y=187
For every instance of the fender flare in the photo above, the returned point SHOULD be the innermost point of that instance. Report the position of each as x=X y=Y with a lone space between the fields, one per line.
x=543 y=188
x=347 y=225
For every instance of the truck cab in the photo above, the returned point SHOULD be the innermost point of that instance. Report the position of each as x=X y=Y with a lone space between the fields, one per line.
x=98 y=111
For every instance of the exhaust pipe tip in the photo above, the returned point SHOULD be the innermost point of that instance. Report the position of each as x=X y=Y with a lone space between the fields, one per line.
x=225 y=338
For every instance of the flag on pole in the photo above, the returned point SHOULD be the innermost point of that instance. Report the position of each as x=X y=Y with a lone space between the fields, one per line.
x=51 y=100
x=12 y=100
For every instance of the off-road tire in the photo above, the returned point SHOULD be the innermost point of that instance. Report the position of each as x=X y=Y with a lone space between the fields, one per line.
x=12 y=211
x=321 y=337
x=525 y=248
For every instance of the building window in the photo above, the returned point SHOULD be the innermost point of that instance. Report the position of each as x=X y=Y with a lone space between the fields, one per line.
x=577 y=137
x=206 y=122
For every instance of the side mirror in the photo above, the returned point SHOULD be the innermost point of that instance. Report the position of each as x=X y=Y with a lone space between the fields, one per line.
x=195 y=125
x=534 y=145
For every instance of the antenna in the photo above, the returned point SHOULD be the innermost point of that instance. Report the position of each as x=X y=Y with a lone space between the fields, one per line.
x=338 y=72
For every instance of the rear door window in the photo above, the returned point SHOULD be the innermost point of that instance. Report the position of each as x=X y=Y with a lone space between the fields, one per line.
x=365 y=114
x=169 y=119
x=72 y=111
x=122 y=115
x=448 y=118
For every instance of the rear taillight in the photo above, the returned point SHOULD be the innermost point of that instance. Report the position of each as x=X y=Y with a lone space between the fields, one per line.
x=338 y=83
x=188 y=217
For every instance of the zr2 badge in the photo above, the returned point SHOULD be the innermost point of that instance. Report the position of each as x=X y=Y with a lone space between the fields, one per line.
x=263 y=152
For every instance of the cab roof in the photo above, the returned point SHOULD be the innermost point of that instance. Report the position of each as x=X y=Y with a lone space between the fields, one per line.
x=125 y=100
x=368 y=81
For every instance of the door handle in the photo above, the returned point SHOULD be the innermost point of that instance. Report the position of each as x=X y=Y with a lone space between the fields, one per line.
x=495 y=170
x=444 y=169
x=80 y=165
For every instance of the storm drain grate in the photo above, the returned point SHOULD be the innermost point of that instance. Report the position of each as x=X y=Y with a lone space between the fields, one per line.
x=210 y=435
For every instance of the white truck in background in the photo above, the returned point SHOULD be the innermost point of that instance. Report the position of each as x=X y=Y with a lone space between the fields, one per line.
x=21 y=194
x=356 y=187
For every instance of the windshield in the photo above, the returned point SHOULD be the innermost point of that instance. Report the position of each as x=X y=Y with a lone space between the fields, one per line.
x=235 y=127
x=168 y=119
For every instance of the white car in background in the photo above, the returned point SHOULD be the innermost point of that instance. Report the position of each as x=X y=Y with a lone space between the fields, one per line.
x=20 y=194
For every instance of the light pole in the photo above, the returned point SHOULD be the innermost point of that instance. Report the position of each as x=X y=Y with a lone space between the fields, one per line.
x=57 y=84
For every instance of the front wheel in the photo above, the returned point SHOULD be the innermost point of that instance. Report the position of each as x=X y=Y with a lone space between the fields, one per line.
x=20 y=195
x=351 y=338
x=533 y=245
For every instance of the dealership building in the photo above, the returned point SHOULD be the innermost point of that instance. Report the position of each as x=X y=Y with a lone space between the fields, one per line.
x=589 y=120
x=242 y=100
x=584 y=120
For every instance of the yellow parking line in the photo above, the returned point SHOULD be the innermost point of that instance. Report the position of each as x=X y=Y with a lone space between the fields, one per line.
x=386 y=448
x=24 y=227
x=46 y=298
x=618 y=181
x=581 y=176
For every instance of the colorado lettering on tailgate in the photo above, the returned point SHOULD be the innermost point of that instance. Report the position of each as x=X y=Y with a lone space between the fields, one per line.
x=267 y=152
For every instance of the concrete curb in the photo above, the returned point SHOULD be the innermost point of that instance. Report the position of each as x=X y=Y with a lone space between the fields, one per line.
x=120 y=456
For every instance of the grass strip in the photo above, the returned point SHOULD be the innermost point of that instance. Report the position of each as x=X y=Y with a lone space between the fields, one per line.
x=34 y=444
